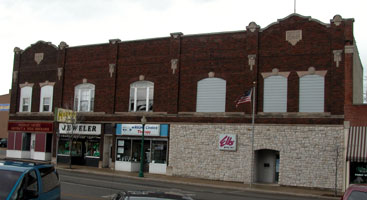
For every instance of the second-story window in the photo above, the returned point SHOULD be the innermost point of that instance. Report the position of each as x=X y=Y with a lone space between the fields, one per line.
x=311 y=93
x=46 y=98
x=84 y=97
x=275 y=94
x=141 y=96
x=25 y=99
x=211 y=95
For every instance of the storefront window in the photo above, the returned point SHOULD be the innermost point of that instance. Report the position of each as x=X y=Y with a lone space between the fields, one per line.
x=92 y=148
x=358 y=172
x=123 y=150
x=64 y=148
x=159 y=151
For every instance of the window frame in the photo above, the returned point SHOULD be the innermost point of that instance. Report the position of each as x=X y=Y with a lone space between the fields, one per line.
x=25 y=93
x=46 y=92
x=149 y=91
x=78 y=92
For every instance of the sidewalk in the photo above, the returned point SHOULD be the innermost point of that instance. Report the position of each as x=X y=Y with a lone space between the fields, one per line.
x=261 y=188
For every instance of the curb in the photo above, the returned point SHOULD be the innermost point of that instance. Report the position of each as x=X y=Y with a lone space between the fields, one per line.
x=245 y=188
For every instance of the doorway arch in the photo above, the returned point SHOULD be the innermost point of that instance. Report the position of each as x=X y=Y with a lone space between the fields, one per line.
x=267 y=166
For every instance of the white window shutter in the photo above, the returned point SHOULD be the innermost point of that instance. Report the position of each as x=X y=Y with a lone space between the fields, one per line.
x=311 y=93
x=211 y=95
x=275 y=94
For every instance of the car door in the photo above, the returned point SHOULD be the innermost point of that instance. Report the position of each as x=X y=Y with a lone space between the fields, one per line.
x=28 y=187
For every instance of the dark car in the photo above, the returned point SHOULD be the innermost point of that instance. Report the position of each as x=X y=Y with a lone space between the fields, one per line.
x=355 y=192
x=4 y=142
x=144 y=195
x=28 y=180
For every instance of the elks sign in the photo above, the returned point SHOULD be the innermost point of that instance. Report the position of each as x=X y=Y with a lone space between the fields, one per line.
x=227 y=142
x=83 y=129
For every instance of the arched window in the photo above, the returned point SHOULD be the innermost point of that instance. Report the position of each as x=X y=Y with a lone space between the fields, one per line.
x=46 y=98
x=211 y=95
x=84 y=97
x=25 y=99
x=141 y=96
x=275 y=94
x=311 y=93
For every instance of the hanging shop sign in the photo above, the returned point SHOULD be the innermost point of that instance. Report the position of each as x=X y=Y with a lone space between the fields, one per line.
x=137 y=129
x=227 y=142
x=65 y=115
x=83 y=129
x=30 y=127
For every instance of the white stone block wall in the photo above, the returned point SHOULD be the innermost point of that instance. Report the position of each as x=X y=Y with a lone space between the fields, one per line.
x=307 y=152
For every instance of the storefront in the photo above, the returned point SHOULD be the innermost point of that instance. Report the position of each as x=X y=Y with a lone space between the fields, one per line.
x=357 y=156
x=128 y=147
x=30 y=140
x=85 y=144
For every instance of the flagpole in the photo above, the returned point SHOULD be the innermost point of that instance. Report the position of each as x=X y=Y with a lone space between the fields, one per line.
x=252 y=134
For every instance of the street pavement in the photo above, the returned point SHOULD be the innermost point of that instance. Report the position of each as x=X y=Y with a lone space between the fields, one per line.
x=259 y=188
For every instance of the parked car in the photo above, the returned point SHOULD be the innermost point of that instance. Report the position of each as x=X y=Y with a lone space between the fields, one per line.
x=4 y=142
x=355 y=192
x=144 y=195
x=28 y=180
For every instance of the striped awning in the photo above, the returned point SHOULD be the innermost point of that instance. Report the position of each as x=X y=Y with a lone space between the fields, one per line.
x=357 y=144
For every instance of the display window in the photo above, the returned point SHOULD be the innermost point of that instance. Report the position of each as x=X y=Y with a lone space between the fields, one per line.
x=92 y=148
x=123 y=150
x=76 y=149
x=358 y=173
x=159 y=153
x=129 y=150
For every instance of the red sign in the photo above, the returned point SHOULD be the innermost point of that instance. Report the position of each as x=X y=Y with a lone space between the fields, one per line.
x=31 y=127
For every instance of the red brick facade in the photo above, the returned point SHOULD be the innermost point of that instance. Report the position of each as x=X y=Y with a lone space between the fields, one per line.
x=113 y=66
x=225 y=54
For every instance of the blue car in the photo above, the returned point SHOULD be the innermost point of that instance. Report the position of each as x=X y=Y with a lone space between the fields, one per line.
x=28 y=180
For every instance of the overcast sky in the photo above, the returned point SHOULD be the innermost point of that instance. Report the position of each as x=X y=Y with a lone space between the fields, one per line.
x=83 y=22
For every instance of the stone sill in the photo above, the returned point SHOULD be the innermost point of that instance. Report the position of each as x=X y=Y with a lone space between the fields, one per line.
x=297 y=115
x=32 y=114
x=140 y=114
x=212 y=114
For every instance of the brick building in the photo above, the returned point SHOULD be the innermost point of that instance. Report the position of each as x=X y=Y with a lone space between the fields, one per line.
x=186 y=87
x=4 y=115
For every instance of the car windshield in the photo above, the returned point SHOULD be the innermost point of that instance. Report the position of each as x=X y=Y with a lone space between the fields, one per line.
x=7 y=182
x=357 y=195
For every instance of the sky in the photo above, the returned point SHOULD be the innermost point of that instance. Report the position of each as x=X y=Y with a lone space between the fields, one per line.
x=84 y=22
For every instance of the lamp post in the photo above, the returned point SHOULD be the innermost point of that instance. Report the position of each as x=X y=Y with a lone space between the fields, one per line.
x=141 y=173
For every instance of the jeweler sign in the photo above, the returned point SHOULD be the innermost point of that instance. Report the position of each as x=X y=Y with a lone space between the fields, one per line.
x=137 y=129
x=82 y=129
x=227 y=142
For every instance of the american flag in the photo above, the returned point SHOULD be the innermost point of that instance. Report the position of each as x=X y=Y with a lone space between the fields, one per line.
x=246 y=97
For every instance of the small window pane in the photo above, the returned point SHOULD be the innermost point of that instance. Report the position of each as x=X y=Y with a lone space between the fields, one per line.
x=46 y=104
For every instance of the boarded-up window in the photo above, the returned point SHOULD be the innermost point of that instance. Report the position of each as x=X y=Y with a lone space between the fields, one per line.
x=211 y=95
x=311 y=93
x=275 y=94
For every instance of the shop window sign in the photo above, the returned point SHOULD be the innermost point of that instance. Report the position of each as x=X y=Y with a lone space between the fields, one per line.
x=137 y=129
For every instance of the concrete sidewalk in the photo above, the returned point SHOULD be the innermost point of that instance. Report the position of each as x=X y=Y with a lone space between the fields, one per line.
x=261 y=188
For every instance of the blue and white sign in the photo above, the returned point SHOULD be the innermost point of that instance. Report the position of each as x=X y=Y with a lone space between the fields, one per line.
x=137 y=129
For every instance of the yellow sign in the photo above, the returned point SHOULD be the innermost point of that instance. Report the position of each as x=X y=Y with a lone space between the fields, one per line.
x=64 y=115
